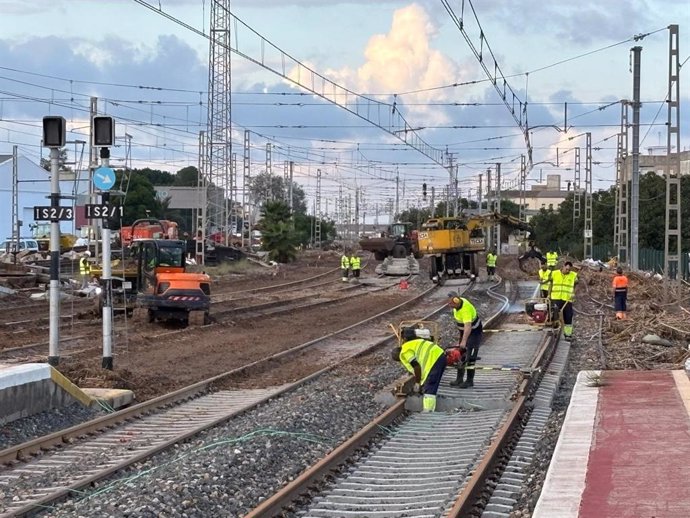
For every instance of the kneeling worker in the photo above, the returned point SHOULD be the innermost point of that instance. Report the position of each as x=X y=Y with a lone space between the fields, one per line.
x=470 y=326
x=426 y=361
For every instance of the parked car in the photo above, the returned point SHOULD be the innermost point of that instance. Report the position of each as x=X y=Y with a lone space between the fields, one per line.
x=25 y=243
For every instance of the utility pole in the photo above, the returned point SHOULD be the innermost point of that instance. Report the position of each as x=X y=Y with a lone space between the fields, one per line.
x=246 y=192
x=397 y=194
x=498 y=208
x=16 y=223
x=317 y=211
x=672 y=235
x=233 y=197
x=202 y=191
x=285 y=180
x=357 y=195
x=635 y=187
x=489 y=208
x=93 y=163
x=623 y=192
x=588 y=198
x=291 y=168
x=480 y=192
x=269 y=172
x=577 y=187
x=432 y=205
x=523 y=187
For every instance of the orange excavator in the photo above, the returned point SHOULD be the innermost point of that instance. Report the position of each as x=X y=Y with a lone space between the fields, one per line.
x=152 y=282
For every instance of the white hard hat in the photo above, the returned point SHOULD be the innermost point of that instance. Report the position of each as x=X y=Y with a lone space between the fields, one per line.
x=88 y=254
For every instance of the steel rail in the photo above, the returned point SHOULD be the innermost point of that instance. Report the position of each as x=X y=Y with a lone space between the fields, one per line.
x=19 y=452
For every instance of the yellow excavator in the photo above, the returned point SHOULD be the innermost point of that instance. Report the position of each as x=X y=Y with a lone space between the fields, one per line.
x=453 y=243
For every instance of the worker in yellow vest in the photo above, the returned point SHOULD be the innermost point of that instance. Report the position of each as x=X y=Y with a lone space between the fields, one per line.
x=544 y=280
x=426 y=361
x=551 y=259
x=355 y=265
x=471 y=330
x=562 y=293
x=345 y=266
x=491 y=258
x=85 y=269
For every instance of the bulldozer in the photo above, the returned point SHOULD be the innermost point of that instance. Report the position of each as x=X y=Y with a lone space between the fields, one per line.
x=454 y=242
x=397 y=247
x=151 y=282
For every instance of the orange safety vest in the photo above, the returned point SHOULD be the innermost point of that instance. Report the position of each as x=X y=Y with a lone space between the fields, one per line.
x=620 y=284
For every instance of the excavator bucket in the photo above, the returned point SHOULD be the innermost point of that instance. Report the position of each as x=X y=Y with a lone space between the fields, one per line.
x=402 y=266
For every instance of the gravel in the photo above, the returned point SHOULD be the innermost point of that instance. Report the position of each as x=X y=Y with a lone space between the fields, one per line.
x=229 y=470
x=583 y=356
x=43 y=423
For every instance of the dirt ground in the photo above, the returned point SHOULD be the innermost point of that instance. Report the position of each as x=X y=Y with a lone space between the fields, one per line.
x=157 y=361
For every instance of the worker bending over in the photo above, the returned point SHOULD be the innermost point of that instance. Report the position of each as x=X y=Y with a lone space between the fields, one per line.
x=491 y=264
x=563 y=283
x=470 y=326
x=345 y=266
x=620 y=293
x=355 y=265
x=426 y=361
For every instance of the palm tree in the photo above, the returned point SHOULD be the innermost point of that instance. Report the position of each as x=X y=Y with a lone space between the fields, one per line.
x=278 y=236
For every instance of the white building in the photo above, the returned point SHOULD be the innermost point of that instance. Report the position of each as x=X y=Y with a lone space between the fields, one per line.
x=33 y=190
x=548 y=196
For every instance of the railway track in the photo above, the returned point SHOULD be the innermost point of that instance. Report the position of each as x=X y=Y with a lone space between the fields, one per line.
x=81 y=330
x=37 y=473
x=441 y=464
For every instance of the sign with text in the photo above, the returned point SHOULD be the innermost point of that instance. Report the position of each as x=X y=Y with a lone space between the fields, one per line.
x=53 y=213
x=103 y=211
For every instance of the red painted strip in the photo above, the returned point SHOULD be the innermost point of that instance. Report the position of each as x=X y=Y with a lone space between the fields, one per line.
x=639 y=462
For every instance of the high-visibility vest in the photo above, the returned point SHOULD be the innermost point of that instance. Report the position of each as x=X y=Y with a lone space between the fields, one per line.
x=551 y=258
x=620 y=284
x=355 y=262
x=84 y=266
x=491 y=260
x=424 y=352
x=544 y=278
x=467 y=313
x=344 y=262
x=563 y=285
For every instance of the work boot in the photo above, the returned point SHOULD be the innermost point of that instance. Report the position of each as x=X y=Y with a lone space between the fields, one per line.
x=458 y=380
x=470 y=380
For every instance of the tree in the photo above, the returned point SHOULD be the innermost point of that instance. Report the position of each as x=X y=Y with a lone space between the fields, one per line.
x=267 y=187
x=156 y=176
x=278 y=238
x=187 y=177
x=304 y=226
x=140 y=200
x=62 y=161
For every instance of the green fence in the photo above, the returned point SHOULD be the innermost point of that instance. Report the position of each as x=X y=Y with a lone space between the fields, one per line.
x=649 y=260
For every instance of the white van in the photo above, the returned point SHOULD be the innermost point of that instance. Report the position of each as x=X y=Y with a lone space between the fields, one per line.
x=25 y=243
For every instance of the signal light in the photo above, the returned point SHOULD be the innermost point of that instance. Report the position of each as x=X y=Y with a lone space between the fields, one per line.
x=103 y=131
x=54 y=131
x=424 y=189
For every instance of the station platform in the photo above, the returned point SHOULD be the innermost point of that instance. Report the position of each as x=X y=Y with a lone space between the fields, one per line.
x=30 y=388
x=624 y=449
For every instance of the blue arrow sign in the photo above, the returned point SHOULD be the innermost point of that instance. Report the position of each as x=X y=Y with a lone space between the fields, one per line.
x=104 y=178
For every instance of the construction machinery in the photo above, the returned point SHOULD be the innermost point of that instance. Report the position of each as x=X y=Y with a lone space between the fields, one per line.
x=454 y=242
x=397 y=247
x=41 y=233
x=152 y=283
x=149 y=228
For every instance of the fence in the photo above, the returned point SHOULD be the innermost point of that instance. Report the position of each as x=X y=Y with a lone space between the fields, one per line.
x=648 y=259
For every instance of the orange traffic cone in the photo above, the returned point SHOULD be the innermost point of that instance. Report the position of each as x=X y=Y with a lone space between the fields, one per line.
x=404 y=284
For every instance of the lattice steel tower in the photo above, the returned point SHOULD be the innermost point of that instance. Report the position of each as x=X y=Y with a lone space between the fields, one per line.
x=219 y=131
x=672 y=236
x=588 y=198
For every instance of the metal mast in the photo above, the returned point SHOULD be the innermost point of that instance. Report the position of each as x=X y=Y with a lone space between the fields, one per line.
x=635 y=183
x=246 y=194
x=523 y=188
x=317 y=211
x=621 y=237
x=269 y=172
x=202 y=191
x=219 y=145
x=672 y=249
x=588 y=197
x=577 y=192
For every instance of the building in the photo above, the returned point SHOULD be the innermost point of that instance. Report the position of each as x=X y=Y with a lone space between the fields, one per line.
x=548 y=196
x=33 y=183
x=653 y=161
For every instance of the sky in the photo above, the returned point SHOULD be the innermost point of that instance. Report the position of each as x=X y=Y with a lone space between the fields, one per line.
x=151 y=74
